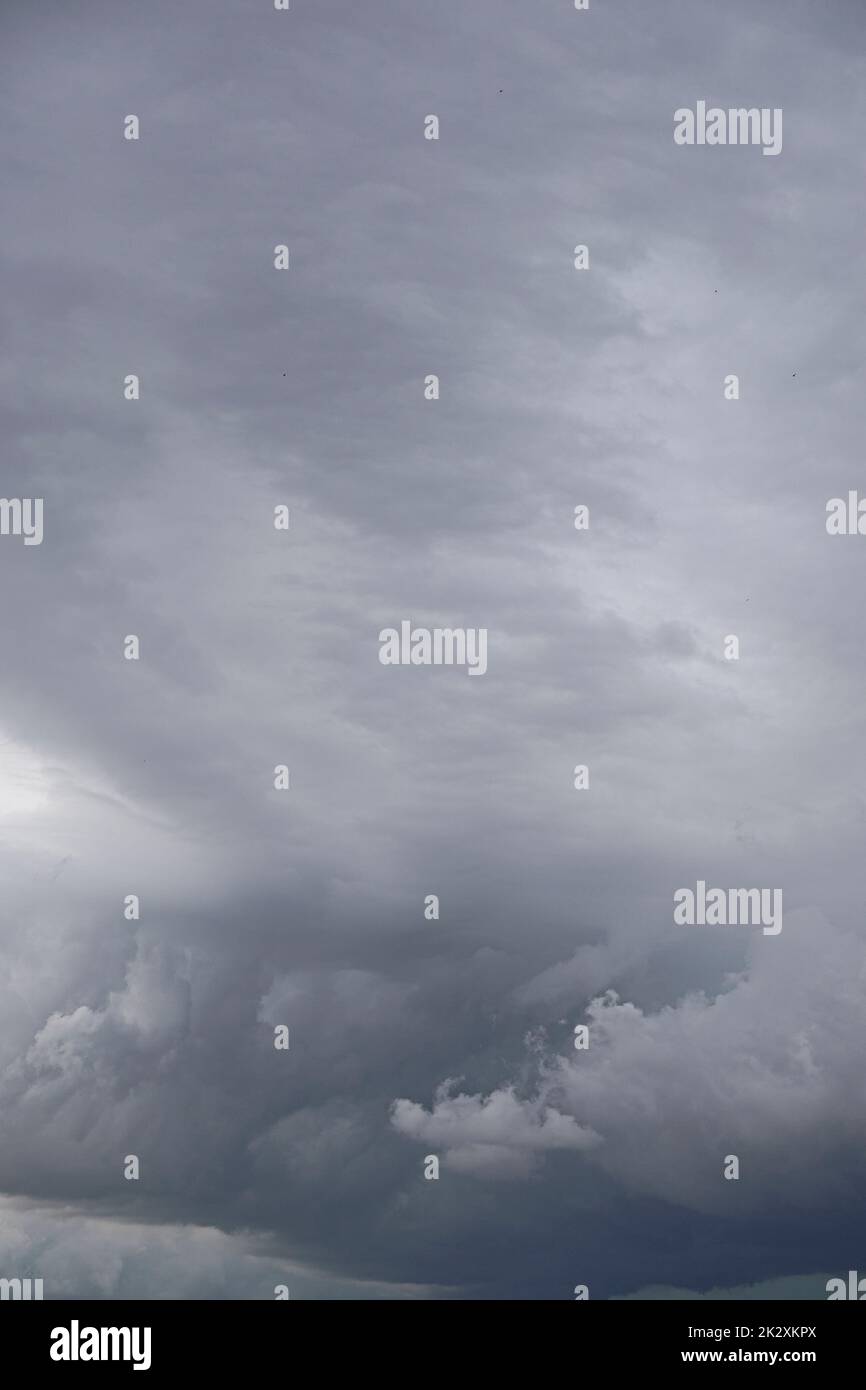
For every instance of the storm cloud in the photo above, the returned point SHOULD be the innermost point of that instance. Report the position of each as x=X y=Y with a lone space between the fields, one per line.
x=154 y=1036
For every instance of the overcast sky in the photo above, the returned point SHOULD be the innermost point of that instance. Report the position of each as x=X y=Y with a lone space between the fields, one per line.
x=259 y=647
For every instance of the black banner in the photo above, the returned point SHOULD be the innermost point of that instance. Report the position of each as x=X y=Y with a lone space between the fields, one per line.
x=163 y=1338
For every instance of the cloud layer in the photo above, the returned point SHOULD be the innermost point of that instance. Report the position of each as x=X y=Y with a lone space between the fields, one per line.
x=154 y=1036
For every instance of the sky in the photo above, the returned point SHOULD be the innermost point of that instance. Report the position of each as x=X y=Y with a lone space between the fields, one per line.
x=410 y=1037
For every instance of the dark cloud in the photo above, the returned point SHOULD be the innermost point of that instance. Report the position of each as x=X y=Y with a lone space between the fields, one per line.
x=259 y=647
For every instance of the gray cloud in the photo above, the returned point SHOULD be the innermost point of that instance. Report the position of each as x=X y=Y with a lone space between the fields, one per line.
x=260 y=647
x=766 y=1070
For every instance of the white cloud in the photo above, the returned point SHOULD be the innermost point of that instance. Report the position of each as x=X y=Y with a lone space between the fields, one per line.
x=499 y=1135
x=769 y=1070
x=77 y=1255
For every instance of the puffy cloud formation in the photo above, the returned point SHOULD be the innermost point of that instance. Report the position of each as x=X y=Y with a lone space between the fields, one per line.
x=496 y=1135
x=767 y=1070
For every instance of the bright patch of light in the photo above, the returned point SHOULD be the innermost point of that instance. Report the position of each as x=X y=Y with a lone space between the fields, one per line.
x=23 y=785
